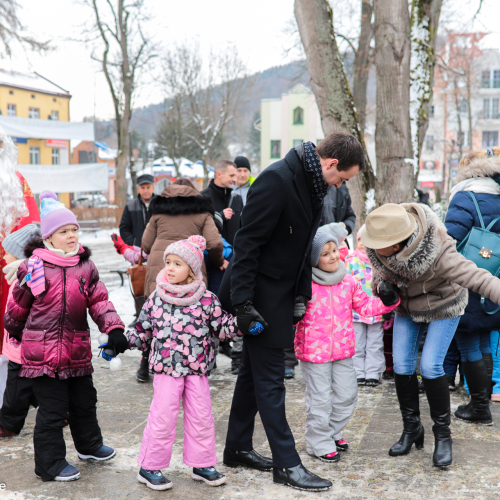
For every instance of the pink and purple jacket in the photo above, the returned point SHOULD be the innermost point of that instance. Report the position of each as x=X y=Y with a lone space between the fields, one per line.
x=326 y=333
x=11 y=347
x=358 y=264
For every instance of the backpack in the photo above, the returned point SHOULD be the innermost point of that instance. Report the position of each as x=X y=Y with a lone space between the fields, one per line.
x=482 y=247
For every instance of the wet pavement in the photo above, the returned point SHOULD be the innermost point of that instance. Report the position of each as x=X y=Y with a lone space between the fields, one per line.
x=365 y=471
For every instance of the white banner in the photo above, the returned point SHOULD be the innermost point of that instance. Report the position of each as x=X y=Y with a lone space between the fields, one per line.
x=80 y=177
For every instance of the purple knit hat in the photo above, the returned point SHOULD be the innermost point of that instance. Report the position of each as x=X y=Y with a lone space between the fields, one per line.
x=190 y=251
x=54 y=214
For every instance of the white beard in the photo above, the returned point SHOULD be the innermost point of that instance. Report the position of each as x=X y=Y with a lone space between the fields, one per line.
x=12 y=205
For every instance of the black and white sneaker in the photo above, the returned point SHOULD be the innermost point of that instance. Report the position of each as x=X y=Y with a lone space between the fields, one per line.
x=154 y=479
x=372 y=382
x=342 y=445
x=209 y=475
x=102 y=454
x=361 y=382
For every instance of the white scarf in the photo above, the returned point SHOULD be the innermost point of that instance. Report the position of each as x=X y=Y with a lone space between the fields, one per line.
x=477 y=185
x=60 y=252
x=10 y=270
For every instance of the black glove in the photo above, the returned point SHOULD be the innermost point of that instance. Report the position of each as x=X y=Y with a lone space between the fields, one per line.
x=299 y=308
x=247 y=314
x=388 y=293
x=117 y=341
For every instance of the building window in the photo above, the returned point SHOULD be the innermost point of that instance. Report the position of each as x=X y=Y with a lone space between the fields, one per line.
x=34 y=113
x=55 y=156
x=485 y=79
x=490 y=139
x=496 y=79
x=494 y=109
x=34 y=155
x=297 y=142
x=275 y=149
x=54 y=115
x=11 y=92
x=11 y=110
x=463 y=106
x=298 y=116
x=429 y=142
x=486 y=109
x=460 y=138
x=431 y=111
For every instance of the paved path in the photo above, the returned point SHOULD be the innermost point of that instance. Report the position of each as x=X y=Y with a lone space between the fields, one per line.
x=365 y=471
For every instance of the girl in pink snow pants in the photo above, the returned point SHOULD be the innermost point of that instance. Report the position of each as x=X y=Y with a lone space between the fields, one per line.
x=178 y=322
x=324 y=345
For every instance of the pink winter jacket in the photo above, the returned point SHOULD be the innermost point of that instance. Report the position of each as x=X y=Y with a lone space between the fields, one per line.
x=326 y=333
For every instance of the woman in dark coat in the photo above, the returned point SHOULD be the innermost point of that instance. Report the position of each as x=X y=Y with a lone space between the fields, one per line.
x=479 y=174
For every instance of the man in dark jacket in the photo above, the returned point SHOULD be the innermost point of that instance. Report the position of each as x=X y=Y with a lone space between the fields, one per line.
x=338 y=208
x=136 y=214
x=270 y=282
x=228 y=204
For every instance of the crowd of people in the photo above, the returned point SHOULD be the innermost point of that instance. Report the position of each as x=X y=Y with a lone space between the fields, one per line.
x=258 y=269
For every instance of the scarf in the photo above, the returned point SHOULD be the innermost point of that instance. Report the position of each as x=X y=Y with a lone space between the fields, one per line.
x=323 y=278
x=10 y=270
x=477 y=185
x=60 y=252
x=320 y=187
x=361 y=256
x=179 y=295
x=36 y=274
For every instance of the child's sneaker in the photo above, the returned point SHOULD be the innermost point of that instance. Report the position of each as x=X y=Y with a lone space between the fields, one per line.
x=330 y=457
x=6 y=433
x=69 y=473
x=209 y=475
x=372 y=382
x=154 y=479
x=103 y=453
x=361 y=382
x=342 y=445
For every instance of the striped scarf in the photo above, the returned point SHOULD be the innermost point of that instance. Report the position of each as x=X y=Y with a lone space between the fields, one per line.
x=320 y=187
x=36 y=276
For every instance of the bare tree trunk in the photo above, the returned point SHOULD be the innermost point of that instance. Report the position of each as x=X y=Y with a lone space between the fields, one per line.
x=330 y=86
x=362 y=62
x=395 y=167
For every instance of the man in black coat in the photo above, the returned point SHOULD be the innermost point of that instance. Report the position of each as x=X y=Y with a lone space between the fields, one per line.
x=136 y=214
x=228 y=204
x=337 y=207
x=270 y=282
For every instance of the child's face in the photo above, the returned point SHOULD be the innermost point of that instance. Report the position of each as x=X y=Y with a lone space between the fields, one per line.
x=9 y=258
x=176 y=270
x=65 y=238
x=361 y=247
x=329 y=258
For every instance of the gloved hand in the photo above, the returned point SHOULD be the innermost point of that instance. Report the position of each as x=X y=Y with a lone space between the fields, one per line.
x=247 y=314
x=117 y=340
x=119 y=244
x=388 y=293
x=299 y=308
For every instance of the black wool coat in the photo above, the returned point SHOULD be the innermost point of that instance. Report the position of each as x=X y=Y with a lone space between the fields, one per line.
x=272 y=250
x=134 y=221
x=337 y=207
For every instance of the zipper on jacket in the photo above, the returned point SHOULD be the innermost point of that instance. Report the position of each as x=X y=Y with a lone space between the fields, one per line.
x=63 y=315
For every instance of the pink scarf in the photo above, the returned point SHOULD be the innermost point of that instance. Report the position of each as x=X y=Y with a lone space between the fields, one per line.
x=361 y=256
x=179 y=295
x=36 y=274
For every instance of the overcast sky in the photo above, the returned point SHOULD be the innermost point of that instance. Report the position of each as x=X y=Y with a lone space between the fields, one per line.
x=257 y=27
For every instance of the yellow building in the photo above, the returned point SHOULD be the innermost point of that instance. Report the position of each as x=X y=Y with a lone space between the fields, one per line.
x=33 y=96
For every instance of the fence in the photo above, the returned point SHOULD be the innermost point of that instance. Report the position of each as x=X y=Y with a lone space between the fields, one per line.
x=108 y=218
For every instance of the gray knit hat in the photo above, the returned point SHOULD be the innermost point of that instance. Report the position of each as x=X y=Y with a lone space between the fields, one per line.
x=320 y=240
x=15 y=242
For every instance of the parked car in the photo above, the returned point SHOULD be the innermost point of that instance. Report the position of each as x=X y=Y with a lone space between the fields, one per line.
x=90 y=201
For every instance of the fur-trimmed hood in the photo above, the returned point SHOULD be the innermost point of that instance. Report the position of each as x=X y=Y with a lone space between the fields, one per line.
x=416 y=259
x=481 y=167
x=38 y=243
x=181 y=200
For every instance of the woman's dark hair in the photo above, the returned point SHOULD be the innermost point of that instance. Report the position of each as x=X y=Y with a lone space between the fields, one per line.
x=343 y=147
x=182 y=181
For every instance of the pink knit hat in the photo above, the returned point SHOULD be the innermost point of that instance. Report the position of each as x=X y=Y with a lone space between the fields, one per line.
x=190 y=251
x=54 y=214
x=358 y=236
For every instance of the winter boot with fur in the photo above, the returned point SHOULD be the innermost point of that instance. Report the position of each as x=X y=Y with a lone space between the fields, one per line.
x=478 y=410
x=413 y=431
x=438 y=396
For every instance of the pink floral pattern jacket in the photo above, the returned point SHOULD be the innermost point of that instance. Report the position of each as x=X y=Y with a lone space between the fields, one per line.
x=181 y=337
x=326 y=333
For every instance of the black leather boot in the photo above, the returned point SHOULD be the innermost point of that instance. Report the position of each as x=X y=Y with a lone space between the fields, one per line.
x=250 y=459
x=478 y=410
x=142 y=374
x=438 y=396
x=488 y=361
x=300 y=478
x=413 y=431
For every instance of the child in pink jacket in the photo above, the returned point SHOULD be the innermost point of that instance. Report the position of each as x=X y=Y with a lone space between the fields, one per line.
x=324 y=345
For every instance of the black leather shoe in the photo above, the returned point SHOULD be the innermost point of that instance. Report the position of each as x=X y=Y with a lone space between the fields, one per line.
x=300 y=478
x=250 y=459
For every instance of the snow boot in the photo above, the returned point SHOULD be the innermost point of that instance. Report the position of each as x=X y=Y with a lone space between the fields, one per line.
x=143 y=372
x=413 y=430
x=438 y=396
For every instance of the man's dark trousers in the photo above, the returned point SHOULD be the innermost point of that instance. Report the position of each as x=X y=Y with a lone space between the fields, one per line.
x=260 y=387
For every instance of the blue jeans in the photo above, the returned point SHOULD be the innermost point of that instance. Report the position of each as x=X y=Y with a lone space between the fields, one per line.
x=406 y=339
x=472 y=345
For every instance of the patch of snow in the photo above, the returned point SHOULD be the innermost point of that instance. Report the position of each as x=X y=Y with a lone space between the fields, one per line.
x=370 y=201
